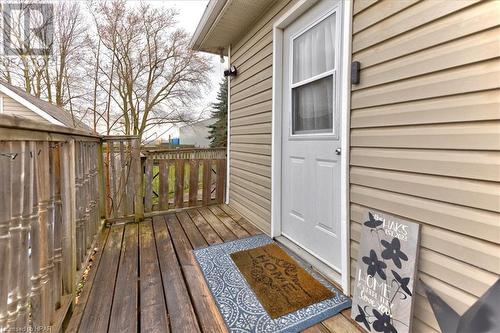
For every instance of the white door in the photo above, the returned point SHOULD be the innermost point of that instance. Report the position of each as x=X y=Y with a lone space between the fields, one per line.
x=310 y=133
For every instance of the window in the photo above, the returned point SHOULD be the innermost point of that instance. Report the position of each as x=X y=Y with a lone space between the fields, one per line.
x=313 y=79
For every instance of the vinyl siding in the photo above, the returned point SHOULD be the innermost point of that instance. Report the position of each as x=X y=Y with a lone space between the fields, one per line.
x=11 y=106
x=424 y=141
x=425 y=138
x=251 y=105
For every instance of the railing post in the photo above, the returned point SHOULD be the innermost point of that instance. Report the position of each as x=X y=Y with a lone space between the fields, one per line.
x=139 y=180
x=5 y=214
x=68 y=197
x=26 y=222
x=100 y=179
x=16 y=181
x=41 y=291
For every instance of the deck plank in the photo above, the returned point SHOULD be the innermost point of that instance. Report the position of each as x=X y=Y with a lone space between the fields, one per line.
x=96 y=316
x=78 y=310
x=318 y=328
x=252 y=229
x=340 y=324
x=206 y=229
x=153 y=311
x=153 y=267
x=180 y=309
x=195 y=237
x=231 y=224
x=218 y=226
x=208 y=314
x=125 y=301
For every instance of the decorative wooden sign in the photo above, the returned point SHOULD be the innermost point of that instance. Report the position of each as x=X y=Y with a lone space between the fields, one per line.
x=385 y=274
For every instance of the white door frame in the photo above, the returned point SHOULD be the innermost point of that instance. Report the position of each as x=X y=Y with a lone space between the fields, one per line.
x=345 y=8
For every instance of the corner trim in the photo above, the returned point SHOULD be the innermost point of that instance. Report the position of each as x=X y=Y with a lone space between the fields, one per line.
x=228 y=140
x=345 y=109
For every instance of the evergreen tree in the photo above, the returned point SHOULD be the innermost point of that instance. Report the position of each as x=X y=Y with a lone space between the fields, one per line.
x=218 y=130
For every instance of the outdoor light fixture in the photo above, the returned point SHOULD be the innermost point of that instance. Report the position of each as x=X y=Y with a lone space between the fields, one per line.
x=232 y=71
x=355 y=69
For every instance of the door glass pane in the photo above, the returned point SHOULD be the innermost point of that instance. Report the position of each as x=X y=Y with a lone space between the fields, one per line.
x=312 y=107
x=314 y=50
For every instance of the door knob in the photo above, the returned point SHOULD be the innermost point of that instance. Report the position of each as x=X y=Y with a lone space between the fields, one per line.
x=338 y=151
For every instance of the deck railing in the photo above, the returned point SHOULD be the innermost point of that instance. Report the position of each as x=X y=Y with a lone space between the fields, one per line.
x=122 y=165
x=57 y=185
x=183 y=178
x=49 y=218
x=141 y=182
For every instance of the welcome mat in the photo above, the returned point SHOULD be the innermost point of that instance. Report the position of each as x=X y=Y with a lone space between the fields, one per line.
x=280 y=284
x=238 y=304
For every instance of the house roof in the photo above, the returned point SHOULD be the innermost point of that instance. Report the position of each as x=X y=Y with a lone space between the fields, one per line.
x=46 y=110
x=224 y=22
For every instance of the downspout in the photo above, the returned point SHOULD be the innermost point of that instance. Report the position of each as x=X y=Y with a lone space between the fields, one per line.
x=228 y=154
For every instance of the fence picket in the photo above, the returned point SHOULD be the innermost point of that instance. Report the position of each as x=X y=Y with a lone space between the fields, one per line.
x=122 y=188
x=207 y=181
x=113 y=180
x=17 y=163
x=193 y=182
x=221 y=180
x=163 y=165
x=179 y=183
x=26 y=221
x=55 y=191
x=5 y=215
x=41 y=299
x=148 y=191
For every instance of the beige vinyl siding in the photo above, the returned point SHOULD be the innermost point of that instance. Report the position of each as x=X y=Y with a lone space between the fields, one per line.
x=251 y=105
x=425 y=138
x=425 y=135
x=13 y=107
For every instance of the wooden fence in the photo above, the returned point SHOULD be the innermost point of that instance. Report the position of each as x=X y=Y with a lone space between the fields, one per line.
x=56 y=185
x=122 y=165
x=49 y=218
x=183 y=178
x=139 y=181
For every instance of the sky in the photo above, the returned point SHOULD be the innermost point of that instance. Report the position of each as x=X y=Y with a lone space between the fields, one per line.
x=190 y=13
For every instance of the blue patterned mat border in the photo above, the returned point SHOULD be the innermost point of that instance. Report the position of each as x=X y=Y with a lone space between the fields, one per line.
x=240 y=308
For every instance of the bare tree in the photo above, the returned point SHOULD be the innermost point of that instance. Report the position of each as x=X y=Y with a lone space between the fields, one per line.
x=128 y=71
x=157 y=75
x=59 y=75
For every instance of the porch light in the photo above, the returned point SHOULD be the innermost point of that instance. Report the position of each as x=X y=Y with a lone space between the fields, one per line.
x=232 y=71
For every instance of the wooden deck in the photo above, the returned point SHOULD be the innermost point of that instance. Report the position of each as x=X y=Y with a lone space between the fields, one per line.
x=145 y=278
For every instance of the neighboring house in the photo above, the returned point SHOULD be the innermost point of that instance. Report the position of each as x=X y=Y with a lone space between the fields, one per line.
x=197 y=133
x=418 y=137
x=16 y=101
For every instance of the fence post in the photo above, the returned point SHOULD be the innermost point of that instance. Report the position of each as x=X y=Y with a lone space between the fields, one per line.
x=100 y=179
x=139 y=180
x=5 y=214
x=68 y=197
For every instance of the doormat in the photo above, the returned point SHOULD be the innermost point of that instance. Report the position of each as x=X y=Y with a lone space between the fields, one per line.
x=279 y=283
x=238 y=304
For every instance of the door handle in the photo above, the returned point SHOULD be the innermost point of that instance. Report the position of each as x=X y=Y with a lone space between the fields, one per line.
x=338 y=151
